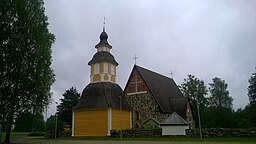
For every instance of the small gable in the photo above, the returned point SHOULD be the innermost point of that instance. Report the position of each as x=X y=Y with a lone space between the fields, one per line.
x=150 y=123
x=135 y=84
x=174 y=119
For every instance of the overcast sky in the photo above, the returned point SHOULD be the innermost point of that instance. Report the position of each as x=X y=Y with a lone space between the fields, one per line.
x=206 y=38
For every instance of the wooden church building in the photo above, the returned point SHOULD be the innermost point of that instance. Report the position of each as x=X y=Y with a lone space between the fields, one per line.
x=102 y=106
x=154 y=97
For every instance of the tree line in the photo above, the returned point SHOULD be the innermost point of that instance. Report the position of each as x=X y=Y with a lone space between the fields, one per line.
x=216 y=105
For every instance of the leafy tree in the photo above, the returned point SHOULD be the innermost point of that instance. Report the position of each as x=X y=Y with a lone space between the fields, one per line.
x=25 y=59
x=220 y=104
x=70 y=99
x=242 y=117
x=23 y=122
x=219 y=95
x=252 y=89
x=252 y=97
x=195 y=90
x=51 y=126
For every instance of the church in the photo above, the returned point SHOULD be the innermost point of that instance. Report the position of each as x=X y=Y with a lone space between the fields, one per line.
x=148 y=100
x=153 y=97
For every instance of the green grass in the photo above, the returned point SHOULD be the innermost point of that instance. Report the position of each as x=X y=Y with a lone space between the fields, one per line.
x=163 y=139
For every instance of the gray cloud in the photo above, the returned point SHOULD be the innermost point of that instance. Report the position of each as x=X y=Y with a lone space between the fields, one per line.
x=205 y=38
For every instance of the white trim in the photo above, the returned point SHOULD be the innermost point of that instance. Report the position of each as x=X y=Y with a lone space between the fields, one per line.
x=109 y=120
x=141 y=92
x=103 y=81
x=73 y=123
x=112 y=70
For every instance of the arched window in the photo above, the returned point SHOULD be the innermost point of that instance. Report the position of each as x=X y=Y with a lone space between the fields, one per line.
x=96 y=78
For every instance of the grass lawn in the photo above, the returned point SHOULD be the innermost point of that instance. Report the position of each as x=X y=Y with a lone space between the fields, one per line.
x=22 y=138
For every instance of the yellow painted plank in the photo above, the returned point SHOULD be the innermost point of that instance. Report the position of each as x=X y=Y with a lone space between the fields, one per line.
x=91 y=122
x=116 y=119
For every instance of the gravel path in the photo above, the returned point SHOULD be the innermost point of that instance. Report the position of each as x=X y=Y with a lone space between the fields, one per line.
x=25 y=140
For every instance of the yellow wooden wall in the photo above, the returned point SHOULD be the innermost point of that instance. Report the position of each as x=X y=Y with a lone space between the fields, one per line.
x=116 y=119
x=91 y=122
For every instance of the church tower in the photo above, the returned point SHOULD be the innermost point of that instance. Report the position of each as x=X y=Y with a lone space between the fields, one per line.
x=103 y=64
x=102 y=106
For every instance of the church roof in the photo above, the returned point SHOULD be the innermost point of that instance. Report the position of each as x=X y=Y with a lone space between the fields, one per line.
x=103 y=56
x=102 y=95
x=174 y=119
x=165 y=91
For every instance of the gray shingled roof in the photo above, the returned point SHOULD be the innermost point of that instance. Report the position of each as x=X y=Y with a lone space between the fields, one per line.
x=179 y=105
x=102 y=95
x=174 y=119
x=103 y=57
x=165 y=91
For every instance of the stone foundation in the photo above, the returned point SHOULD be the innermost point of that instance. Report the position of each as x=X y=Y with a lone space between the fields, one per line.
x=137 y=133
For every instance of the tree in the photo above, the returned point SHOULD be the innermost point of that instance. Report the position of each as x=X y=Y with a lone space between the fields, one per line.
x=25 y=59
x=219 y=95
x=220 y=104
x=196 y=91
x=242 y=118
x=23 y=122
x=252 y=96
x=252 y=89
x=70 y=99
x=51 y=127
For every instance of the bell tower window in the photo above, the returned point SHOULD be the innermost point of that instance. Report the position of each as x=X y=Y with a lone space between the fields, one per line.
x=105 y=67
x=96 y=68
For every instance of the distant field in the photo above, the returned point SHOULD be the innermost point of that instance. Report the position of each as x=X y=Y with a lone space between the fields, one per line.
x=21 y=138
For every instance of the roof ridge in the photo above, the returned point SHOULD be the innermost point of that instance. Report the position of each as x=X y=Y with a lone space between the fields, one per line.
x=172 y=119
x=154 y=72
x=179 y=117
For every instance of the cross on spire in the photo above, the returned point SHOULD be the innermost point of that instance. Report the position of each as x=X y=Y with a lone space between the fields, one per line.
x=135 y=59
x=171 y=74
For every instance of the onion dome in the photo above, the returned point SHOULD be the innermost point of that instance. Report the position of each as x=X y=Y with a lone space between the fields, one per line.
x=103 y=40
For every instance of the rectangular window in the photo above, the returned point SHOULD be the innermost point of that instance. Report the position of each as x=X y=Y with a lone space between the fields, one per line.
x=105 y=67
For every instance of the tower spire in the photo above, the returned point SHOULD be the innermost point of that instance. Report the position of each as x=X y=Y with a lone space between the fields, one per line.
x=171 y=74
x=104 y=24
